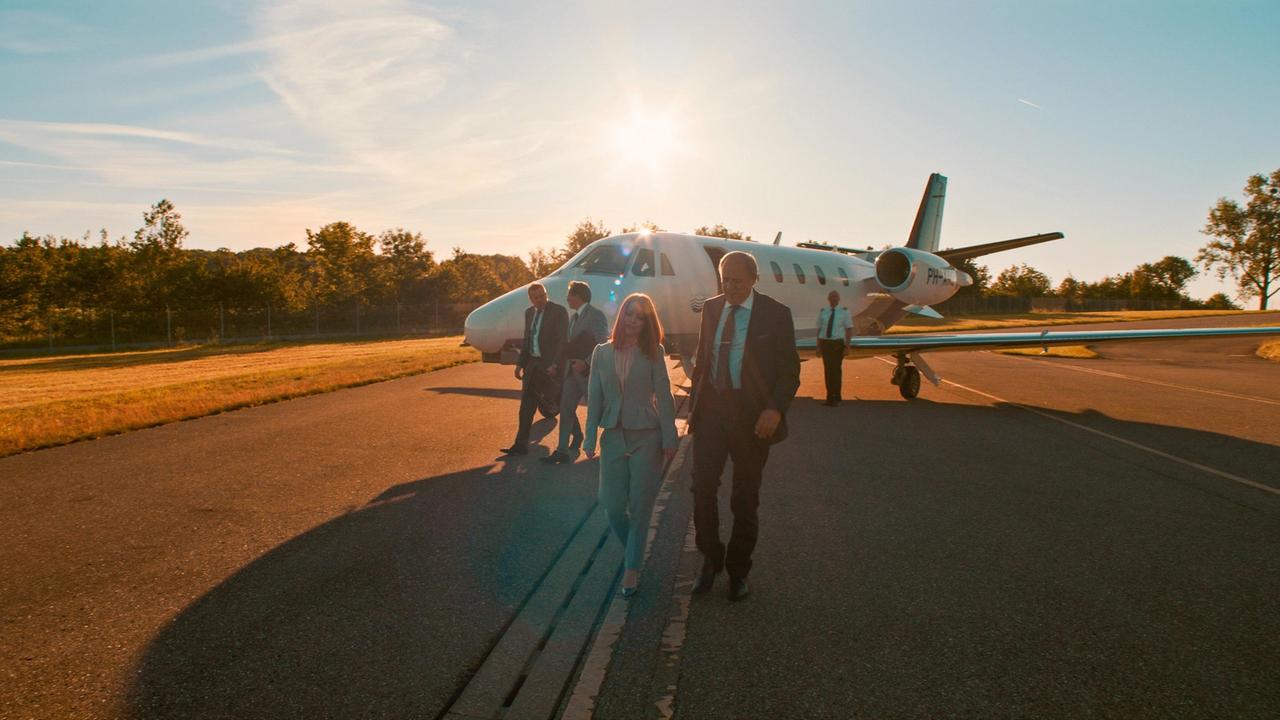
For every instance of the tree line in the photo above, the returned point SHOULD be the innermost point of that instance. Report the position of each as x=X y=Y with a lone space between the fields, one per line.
x=345 y=266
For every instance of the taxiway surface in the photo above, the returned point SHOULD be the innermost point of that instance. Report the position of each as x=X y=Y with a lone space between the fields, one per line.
x=1036 y=537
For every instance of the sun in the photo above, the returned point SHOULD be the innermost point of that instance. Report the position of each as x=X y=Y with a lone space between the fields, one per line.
x=647 y=138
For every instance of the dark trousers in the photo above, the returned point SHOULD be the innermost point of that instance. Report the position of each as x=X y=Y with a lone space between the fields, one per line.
x=832 y=361
x=726 y=430
x=531 y=386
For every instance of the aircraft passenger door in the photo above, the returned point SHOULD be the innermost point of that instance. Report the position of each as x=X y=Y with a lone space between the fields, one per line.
x=715 y=253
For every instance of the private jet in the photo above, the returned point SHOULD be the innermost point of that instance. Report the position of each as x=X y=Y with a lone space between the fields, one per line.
x=879 y=287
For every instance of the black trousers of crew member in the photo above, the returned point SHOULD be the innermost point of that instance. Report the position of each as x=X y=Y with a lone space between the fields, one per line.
x=832 y=363
x=727 y=431
x=531 y=386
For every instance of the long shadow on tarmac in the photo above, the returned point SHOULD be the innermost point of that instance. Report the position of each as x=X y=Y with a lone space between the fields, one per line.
x=942 y=560
x=478 y=392
x=385 y=611
x=382 y=612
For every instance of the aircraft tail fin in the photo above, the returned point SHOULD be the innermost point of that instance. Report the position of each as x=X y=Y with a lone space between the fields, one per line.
x=927 y=229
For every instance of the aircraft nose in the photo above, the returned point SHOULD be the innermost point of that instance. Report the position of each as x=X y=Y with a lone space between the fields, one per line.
x=489 y=326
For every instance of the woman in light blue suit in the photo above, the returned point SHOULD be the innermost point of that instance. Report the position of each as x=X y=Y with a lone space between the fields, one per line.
x=629 y=396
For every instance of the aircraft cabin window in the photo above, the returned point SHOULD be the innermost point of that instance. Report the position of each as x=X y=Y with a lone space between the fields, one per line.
x=799 y=273
x=844 y=277
x=666 y=265
x=644 y=263
x=822 y=277
x=604 y=260
x=777 y=271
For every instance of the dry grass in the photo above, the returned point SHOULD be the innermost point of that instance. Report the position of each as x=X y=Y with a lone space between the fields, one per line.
x=917 y=324
x=1270 y=351
x=53 y=400
x=1065 y=351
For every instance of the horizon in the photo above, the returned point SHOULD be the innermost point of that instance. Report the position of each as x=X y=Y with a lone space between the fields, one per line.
x=479 y=127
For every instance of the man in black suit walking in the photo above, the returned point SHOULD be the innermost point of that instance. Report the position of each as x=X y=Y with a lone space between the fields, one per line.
x=746 y=373
x=546 y=327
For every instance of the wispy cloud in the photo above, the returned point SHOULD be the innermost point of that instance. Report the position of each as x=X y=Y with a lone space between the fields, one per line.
x=36 y=33
x=1029 y=104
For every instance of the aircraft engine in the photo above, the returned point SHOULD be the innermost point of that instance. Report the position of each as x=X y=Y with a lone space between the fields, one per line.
x=917 y=277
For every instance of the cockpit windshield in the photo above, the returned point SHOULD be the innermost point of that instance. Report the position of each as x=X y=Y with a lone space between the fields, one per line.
x=605 y=260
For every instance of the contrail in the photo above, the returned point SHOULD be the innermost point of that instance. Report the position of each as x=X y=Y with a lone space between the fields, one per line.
x=1028 y=102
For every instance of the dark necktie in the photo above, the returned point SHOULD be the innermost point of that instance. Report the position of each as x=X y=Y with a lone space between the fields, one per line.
x=831 y=323
x=533 y=330
x=573 y=322
x=722 y=379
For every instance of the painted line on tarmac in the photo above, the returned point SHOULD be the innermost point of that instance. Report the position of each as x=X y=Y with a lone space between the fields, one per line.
x=595 y=666
x=1139 y=446
x=1107 y=373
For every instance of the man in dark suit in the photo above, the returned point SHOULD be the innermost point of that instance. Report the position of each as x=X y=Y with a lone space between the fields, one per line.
x=546 y=326
x=746 y=373
x=588 y=327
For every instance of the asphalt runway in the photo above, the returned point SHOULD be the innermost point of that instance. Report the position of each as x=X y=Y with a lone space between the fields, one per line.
x=1037 y=537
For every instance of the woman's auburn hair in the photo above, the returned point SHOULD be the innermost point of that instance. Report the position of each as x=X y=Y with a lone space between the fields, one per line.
x=650 y=332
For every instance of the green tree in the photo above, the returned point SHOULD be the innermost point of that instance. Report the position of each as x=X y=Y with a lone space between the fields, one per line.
x=159 y=273
x=406 y=262
x=1219 y=301
x=587 y=232
x=1247 y=247
x=1022 y=281
x=1165 y=279
x=647 y=225
x=342 y=263
x=721 y=231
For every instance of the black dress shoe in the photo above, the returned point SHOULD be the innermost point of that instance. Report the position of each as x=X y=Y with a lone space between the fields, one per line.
x=515 y=450
x=556 y=458
x=706 y=578
x=738 y=588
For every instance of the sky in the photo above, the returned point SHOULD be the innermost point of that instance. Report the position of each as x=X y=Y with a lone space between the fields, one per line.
x=498 y=126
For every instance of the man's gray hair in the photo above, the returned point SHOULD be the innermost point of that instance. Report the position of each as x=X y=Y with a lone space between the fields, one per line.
x=577 y=288
x=742 y=257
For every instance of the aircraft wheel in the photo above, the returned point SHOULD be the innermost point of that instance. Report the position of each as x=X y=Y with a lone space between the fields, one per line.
x=909 y=388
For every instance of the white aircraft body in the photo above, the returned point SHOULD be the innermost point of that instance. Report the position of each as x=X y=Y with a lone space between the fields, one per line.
x=878 y=287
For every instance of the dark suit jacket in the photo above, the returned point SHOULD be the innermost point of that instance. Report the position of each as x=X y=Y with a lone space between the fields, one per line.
x=592 y=329
x=551 y=336
x=770 y=364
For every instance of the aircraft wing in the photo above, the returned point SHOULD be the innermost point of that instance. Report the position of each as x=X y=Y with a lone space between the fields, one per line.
x=910 y=343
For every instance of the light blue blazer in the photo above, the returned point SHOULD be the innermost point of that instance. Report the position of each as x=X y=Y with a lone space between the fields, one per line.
x=647 y=403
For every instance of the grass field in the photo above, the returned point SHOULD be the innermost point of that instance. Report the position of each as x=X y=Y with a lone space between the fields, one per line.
x=1066 y=351
x=53 y=400
x=917 y=324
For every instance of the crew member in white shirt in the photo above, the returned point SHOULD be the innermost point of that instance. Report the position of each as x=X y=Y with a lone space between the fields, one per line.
x=835 y=329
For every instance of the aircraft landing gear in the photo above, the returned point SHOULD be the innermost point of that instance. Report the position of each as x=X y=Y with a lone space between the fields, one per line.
x=907 y=378
x=907 y=374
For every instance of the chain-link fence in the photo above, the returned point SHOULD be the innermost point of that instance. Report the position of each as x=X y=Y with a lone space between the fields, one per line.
x=68 y=328
x=1006 y=304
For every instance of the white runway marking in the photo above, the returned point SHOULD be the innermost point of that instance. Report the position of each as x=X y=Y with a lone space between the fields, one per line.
x=1130 y=443
x=1192 y=388
x=1139 y=446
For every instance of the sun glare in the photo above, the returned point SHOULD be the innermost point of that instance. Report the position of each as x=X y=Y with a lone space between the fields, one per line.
x=647 y=138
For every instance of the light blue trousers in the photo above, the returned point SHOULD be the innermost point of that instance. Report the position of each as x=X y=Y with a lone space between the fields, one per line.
x=630 y=473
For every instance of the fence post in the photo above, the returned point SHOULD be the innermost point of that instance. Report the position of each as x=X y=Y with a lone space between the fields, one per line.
x=317 y=317
x=268 y=321
x=49 y=327
x=357 y=316
x=111 y=313
x=168 y=325
x=397 y=317
x=222 y=324
x=436 y=326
